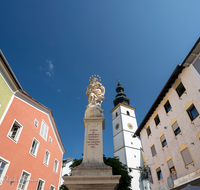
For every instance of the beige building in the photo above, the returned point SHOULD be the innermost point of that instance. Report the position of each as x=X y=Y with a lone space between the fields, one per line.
x=170 y=131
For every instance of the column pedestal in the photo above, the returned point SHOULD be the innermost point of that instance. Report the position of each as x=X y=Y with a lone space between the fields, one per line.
x=92 y=173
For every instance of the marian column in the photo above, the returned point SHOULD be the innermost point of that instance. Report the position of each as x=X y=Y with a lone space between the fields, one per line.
x=92 y=173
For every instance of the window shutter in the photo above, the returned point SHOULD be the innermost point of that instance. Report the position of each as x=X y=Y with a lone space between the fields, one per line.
x=175 y=126
x=162 y=138
x=42 y=129
x=186 y=156
x=170 y=164
x=158 y=169
x=153 y=150
x=45 y=133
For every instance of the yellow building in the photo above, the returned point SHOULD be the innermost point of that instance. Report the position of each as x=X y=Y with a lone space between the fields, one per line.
x=7 y=84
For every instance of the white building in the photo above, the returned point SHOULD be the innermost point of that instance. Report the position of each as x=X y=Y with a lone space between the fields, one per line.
x=170 y=131
x=127 y=148
x=66 y=167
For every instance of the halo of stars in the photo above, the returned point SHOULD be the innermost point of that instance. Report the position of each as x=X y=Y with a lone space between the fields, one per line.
x=97 y=76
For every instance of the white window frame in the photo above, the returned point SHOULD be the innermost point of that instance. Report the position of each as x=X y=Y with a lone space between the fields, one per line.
x=46 y=164
x=44 y=130
x=50 y=140
x=36 y=123
x=28 y=179
x=42 y=183
x=7 y=163
x=53 y=187
x=18 y=132
x=35 y=154
x=56 y=169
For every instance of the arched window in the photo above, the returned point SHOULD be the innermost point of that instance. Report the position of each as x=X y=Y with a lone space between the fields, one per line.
x=116 y=114
x=127 y=112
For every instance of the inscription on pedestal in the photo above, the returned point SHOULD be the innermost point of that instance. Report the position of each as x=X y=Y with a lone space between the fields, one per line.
x=93 y=138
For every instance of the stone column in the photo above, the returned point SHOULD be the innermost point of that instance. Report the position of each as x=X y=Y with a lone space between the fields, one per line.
x=93 y=150
x=92 y=173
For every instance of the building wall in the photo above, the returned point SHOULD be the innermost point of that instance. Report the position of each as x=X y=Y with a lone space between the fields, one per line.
x=126 y=147
x=18 y=153
x=5 y=95
x=189 y=130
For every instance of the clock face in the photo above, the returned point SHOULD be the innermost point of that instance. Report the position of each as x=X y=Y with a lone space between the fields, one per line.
x=130 y=126
x=117 y=126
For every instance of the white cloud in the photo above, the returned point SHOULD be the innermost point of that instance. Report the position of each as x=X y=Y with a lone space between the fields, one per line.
x=50 y=67
x=48 y=73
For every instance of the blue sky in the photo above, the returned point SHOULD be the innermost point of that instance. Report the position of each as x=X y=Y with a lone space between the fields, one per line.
x=54 y=47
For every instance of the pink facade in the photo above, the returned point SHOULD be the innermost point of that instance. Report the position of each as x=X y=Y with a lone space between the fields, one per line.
x=31 y=150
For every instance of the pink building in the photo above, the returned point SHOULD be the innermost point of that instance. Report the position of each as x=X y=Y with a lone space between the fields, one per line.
x=31 y=149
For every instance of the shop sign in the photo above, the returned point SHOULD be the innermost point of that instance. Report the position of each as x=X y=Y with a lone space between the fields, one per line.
x=187 y=178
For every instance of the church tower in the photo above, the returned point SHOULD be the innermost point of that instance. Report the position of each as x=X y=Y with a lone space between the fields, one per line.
x=127 y=148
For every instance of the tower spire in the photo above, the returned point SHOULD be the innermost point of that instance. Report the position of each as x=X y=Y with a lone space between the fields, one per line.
x=120 y=97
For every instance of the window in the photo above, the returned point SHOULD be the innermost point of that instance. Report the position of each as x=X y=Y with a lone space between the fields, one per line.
x=127 y=112
x=176 y=128
x=171 y=167
x=159 y=174
x=163 y=141
x=197 y=65
x=180 y=89
x=15 y=131
x=34 y=147
x=3 y=168
x=50 y=139
x=167 y=106
x=116 y=114
x=172 y=170
x=153 y=150
x=36 y=123
x=55 y=169
x=46 y=157
x=52 y=187
x=192 y=112
x=186 y=156
x=44 y=130
x=117 y=126
x=157 y=120
x=23 y=183
x=148 y=131
x=40 y=185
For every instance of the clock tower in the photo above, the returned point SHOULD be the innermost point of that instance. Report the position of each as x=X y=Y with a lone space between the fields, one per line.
x=127 y=148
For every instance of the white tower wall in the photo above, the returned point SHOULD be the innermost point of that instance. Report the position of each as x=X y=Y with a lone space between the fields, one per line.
x=122 y=155
x=127 y=148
